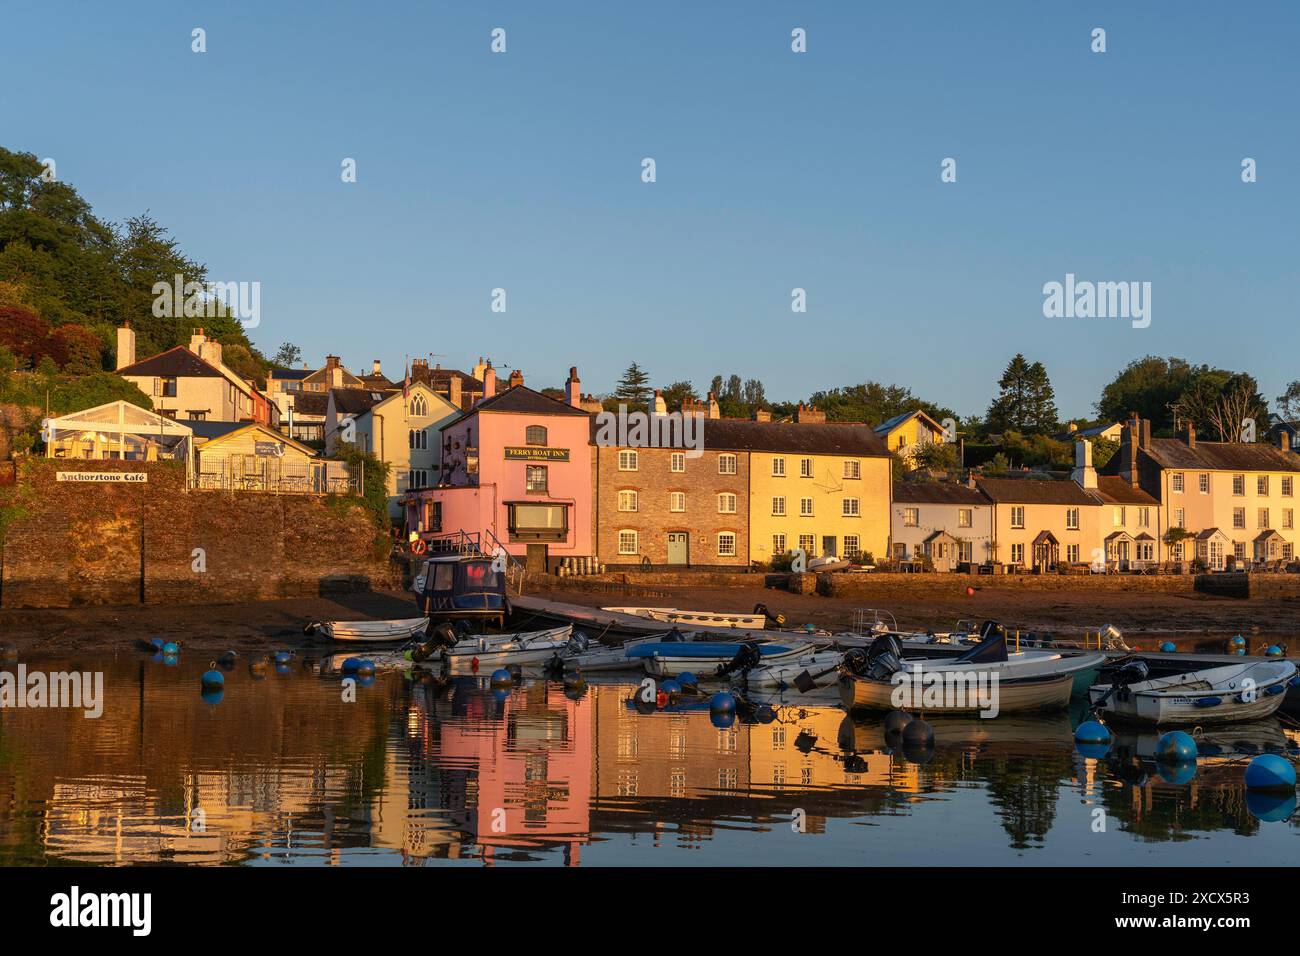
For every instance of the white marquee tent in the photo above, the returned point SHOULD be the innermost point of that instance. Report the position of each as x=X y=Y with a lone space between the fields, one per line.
x=118 y=430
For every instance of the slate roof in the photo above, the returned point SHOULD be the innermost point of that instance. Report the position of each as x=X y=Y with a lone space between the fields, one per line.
x=358 y=401
x=177 y=362
x=209 y=430
x=523 y=400
x=937 y=493
x=1220 y=456
x=889 y=424
x=291 y=374
x=1030 y=491
x=1115 y=490
x=311 y=403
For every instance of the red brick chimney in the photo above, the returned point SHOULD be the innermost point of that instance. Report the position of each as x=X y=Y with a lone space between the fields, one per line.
x=1191 y=435
x=516 y=378
x=453 y=389
x=573 y=388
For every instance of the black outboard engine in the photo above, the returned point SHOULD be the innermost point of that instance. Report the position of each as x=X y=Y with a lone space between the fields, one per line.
x=855 y=661
x=1133 y=670
x=772 y=620
x=884 y=658
x=747 y=658
x=674 y=635
x=442 y=636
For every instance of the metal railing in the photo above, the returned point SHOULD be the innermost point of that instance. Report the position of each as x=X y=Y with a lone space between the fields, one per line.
x=277 y=478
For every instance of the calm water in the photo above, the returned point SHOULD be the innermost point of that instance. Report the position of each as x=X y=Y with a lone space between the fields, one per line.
x=282 y=771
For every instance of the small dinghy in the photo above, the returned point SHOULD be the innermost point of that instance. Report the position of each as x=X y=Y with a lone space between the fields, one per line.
x=670 y=658
x=500 y=650
x=1217 y=695
x=806 y=672
x=828 y=563
x=372 y=632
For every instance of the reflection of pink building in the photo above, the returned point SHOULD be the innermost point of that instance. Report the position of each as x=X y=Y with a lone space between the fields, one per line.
x=517 y=465
x=532 y=767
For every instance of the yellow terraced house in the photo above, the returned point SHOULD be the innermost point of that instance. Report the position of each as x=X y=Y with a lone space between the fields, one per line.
x=905 y=434
x=824 y=488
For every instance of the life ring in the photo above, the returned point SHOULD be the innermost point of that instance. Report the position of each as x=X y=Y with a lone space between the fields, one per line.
x=419 y=546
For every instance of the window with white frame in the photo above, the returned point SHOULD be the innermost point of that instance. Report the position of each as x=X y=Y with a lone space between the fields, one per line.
x=727 y=464
x=1239 y=517
x=726 y=503
x=1180 y=518
x=1017 y=554
x=911 y=517
x=965 y=517
x=851 y=508
x=627 y=542
x=1203 y=484
x=1072 y=519
x=535 y=435
x=535 y=480
x=852 y=546
x=1119 y=516
x=1287 y=486
x=778 y=506
x=778 y=467
x=1176 y=482
x=726 y=544
x=1017 y=516
x=419 y=407
x=1288 y=518
x=965 y=551
x=1261 y=519
x=1261 y=485
x=805 y=507
x=677 y=501
x=677 y=461
x=778 y=544
x=852 y=468
x=805 y=467
x=627 y=461
x=417 y=478
x=1238 y=485
x=1144 y=517
x=627 y=500
x=1072 y=553
x=807 y=542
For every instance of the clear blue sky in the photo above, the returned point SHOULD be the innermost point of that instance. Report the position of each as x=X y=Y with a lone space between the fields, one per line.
x=775 y=170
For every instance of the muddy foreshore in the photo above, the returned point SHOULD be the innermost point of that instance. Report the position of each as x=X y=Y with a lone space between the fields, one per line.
x=267 y=625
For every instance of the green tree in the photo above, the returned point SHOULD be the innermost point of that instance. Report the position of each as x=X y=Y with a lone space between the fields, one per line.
x=678 y=392
x=1026 y=401
x=633 y=388
x=288 y=356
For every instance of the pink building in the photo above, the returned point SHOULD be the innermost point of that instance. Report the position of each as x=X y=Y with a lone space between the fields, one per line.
x=517 y=465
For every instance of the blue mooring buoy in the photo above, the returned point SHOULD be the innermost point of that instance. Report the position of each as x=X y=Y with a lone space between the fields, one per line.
x=212 y=679
x=671 y=687
x=722 y=703
x=1092 y=732
x=1270 y=772
x=1238 y=641
x=1273 y=651
x=283 y=657
x=1168 y=647
x=501 y=678
x=1176 y=746
x=171 y=648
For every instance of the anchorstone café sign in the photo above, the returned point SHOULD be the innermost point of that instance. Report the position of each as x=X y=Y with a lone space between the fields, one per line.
x=105 y=477
x=514 y=453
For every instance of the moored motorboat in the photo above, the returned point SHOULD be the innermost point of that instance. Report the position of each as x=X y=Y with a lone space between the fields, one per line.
x=587 y=656
x=1232 y=693
x=670 y=658
x=821 y=666
x=481 y=651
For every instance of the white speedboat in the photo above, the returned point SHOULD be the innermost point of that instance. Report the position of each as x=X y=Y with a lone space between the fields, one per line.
x=481 y=651
x=580 y=654
x=1217 y=695
x=372 y=632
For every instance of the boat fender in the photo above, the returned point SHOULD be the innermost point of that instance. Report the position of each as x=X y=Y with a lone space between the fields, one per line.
x=689 y=683
x=1168 y=647
x=1209 y=701
x=918 y=733
x=1273 y=651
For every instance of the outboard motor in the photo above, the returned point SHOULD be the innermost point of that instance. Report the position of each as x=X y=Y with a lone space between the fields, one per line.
x=772 y=620
x=442 y=636
x=747 y=658
x=674 y=635
x=1133 y=670
x=884 y=658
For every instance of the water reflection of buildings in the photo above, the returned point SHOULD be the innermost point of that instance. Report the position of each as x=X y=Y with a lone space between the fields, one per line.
x=282 y=770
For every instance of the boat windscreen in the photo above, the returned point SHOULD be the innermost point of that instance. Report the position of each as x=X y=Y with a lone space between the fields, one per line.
x=991 y=650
